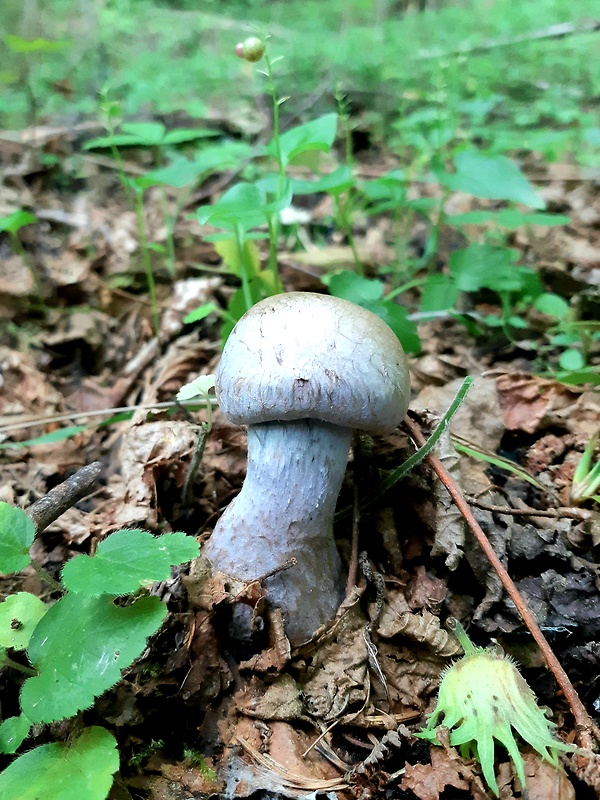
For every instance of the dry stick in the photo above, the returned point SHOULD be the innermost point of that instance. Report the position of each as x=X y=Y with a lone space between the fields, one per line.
x=58 y=500
x=584 y=724
x=581 y=514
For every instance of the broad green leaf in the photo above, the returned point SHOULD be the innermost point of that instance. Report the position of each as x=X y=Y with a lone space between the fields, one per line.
x=439 y=293
x=18 y=219
x=147 y=133
x=552 y=304
x=126 y=560
x=19 y=614
x=491 y=177
x=13 y=733
x=579 y=377
x=17 y=533
x=318 y=134
x=228 y=250
x=241 y=206
x=179 y=546
x=81 y=770
x=350 y=286
x=480 y=266
x=396 y=317
x=180 y=173
x=80 y=647
x=571 y=360
x=338 y=181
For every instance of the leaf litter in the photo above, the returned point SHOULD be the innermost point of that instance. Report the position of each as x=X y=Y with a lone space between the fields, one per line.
x=269 y=718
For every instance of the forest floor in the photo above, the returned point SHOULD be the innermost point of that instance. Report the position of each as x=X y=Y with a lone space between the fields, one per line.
x=197 y=715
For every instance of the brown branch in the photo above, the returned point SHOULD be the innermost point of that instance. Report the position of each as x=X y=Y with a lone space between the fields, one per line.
x=580 y=514
x=58 y=500
x=584 y=724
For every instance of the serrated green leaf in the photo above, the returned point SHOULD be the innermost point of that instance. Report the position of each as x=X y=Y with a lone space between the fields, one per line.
x=83 y=769
x=491 y=177
x=80 y=647
x=17 y=533
x=13 y=733
x=19 y=614
x=179 y=546
x=123 y=562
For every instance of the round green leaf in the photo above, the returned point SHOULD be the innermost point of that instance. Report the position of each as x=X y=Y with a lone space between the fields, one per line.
x=83 y=769
x=13 y=733
x=124 y=561
x=571 y=360
x=19 y=614
x=552 y=304
x=17 y=533
x=79 y=649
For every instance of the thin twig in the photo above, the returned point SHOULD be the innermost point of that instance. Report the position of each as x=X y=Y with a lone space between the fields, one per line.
x=353 y=565
x=584 y=724
x=581 y=514
x=58 y=500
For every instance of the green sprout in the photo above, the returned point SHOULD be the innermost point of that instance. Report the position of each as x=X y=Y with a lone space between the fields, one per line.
x=586 y=479
x=482 y=698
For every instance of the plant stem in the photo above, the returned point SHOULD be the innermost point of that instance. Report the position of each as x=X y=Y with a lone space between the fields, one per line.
x=273 y=220
x=347 y=228
x=143 y=240
x=244 y=276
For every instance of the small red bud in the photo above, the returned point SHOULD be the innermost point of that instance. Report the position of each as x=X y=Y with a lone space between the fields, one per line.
x=252 y=49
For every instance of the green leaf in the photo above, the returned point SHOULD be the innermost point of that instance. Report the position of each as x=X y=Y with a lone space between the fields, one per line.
x=510 y=218
x=179 y=546
x=182 y=135
x=484 y=266
x=318 y=134
x=579 y=377
x=439 y=293
x=180 y=173
x=198 y=388
x=13 y=733
x=17 y=533
x=571 y=360
x=491 y=177
x=19 y=45
x=80 y=647
x=396 y=317
x=48 y=438
x=19 y=614
x=124 y=561
x=239 y=206
x=18 y=219
x=552 y=304
x=82 y=769
x=350 y=286
x=338 y=181
x=200 y=313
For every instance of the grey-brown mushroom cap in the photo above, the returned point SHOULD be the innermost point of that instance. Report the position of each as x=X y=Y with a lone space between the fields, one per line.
x=301 y=355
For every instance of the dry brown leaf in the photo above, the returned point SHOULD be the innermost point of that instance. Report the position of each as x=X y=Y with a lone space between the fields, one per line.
x=529 y=403
x=545 y=782
x=428 y=781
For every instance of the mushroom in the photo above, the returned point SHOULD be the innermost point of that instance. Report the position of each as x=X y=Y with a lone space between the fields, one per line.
x=302 y=371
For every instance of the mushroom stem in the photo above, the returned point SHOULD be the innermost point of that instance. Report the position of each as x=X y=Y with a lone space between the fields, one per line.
x=285 y=509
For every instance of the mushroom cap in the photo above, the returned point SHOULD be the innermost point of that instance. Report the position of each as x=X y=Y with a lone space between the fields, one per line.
x=311 y=356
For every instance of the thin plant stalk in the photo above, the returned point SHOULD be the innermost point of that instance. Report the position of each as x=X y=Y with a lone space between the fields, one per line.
x=273 y=219
x=243 y=268
x=143 y=240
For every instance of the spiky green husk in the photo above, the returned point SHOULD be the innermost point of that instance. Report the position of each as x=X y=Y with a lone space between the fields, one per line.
x=482 y=698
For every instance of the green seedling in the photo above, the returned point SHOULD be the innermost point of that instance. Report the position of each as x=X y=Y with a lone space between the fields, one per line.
x=586 y=479
x=77 y=647
x=483 y=699
x=11 y=224
x=197 y=390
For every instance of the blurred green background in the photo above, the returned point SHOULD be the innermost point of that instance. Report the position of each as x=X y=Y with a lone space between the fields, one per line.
x=406 y=71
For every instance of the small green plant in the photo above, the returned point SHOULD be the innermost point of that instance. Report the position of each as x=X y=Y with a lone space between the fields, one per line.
x=76 y=648
x=586 y=480
x=11 y=224
x=483 y=698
